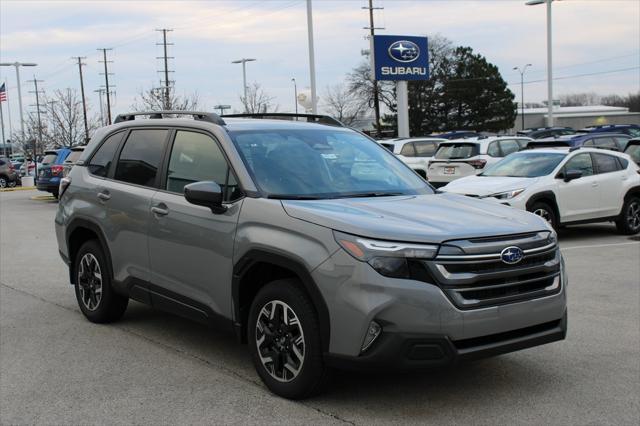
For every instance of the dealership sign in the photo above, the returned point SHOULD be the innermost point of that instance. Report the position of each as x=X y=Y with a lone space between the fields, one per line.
x=400 y=57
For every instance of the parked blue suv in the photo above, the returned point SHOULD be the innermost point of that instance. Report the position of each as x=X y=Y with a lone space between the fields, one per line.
x=613 y=141
x=632 y=130
x=51 y=169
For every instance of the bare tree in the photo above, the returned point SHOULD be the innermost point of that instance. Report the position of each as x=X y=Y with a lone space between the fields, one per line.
x=579 y=99
x=27 y=140
x=341 y=104
x=258 y=101
x=66 y=123
x=155 y=100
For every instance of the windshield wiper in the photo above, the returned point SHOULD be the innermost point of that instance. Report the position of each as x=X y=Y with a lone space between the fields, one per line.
x=292 y=197
x=369 y=194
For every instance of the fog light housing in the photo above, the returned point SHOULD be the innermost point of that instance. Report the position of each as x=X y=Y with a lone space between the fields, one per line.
x=373 y=332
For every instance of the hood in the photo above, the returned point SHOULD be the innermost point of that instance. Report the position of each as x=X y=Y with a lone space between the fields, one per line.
x=431 y=218
x=482 y=186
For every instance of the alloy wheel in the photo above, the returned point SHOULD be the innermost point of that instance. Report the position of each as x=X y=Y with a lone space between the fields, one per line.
x=90 y=282
x=280 y=341
x=543 y=214
x=633 y=215
x=3 y=183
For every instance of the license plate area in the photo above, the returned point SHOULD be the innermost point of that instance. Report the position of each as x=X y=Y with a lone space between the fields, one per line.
x=449 y=170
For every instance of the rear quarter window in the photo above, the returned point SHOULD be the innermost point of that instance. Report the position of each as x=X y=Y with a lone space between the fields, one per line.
x=606 y=163
x=49 y=159
x=103 y=158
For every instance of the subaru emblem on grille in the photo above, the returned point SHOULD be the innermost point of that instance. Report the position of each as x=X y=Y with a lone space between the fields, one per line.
x=511 y=255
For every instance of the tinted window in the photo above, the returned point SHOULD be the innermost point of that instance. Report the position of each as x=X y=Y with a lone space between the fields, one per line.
x=509 y=146
x=456 y=151
x=196 y=157
x=606 y=143
x=141 y=156
x=408 y=150
x=606 y=163
x=102 y=159
x=589 y=142
x=633 y=132
x=621 y=142
x=425 y=149
x=633 y=151
x=493 y=149
x=49 y=159
x=581 y=162
x=73 y=157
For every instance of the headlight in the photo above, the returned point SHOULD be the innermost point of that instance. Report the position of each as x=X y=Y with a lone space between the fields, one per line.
x=387 y=258
x=508 y=194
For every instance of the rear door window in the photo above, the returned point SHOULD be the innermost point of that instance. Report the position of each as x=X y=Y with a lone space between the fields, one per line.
x=456 y=151
x=408 y=150
x=141 y=156
x=606 y=143
x=425 y=149
x=103 y=158
x=606 y=163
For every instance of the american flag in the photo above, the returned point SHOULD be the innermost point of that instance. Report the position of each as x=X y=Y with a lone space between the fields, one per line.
x=3 y=93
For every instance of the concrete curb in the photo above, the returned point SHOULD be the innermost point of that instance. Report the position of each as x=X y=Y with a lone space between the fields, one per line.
x=18 y=188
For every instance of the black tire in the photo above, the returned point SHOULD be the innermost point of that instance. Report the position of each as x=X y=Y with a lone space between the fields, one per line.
x=55 y=194
x=109 y=306
x=628 y=223
x=312 y=374
x=4 y=182
x=545 y=211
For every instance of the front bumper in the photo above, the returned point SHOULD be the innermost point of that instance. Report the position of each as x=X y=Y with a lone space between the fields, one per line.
x=414 y=351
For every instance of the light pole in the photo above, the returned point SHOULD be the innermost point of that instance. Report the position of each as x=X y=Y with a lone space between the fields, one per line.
x=312 y=61
x=18 y=65
x=549 y=59
x=521 y=71
x=244 y=61
x=295 y=94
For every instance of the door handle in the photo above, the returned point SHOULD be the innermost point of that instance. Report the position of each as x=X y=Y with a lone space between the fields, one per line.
x=594 y=184
x=160 y=211
x=104 y=196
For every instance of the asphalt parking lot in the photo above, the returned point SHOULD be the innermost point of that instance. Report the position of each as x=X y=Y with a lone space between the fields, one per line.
x=152 y=367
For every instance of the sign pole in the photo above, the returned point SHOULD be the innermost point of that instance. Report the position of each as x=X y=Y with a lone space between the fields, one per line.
x=403 y=108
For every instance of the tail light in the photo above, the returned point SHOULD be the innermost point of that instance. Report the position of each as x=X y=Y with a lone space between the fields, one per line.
x=64 y=184
x=478 y=164
x=56 y=170
x=11 y=168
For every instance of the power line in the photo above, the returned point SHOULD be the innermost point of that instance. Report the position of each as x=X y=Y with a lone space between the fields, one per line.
x=566 y=77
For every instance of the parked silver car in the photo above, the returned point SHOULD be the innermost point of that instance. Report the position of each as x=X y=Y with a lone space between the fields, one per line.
x=314 y=244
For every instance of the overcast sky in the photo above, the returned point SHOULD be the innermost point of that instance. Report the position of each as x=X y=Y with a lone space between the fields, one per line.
x=600 y=37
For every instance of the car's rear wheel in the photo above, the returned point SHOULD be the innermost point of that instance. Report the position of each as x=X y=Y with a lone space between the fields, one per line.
x=284 y=340
x=96 y=298
x=628 y=223
x=546 y=212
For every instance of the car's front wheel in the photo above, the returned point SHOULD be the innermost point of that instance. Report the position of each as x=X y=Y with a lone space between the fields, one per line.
x=4 y=182
x=628 y=223
x=546 y=212
x=96 y=298
x=284 y=340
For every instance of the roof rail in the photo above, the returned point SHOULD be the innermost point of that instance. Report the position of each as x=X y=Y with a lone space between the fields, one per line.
x=310 y=118
x=209 y=117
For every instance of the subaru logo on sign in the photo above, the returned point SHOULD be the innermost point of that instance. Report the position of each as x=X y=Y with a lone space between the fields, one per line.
x=404 y=51
x=511 y=255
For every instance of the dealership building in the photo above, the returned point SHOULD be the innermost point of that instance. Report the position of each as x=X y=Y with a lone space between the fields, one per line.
x=577 y=117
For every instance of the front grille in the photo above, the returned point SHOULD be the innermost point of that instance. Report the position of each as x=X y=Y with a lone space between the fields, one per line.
x=477 y=277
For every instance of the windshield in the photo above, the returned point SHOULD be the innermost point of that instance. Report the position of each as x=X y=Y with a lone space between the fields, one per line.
x=311 y=163
x=456 y=151
x=49 y=158
x=526 y=165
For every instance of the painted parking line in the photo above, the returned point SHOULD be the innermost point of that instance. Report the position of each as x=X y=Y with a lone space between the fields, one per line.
x=43 y=198
x=600 y=245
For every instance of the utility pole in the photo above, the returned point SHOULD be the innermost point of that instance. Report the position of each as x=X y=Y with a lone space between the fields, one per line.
x=376 y=97
x=312 y=61
x=17 y=65
x=100 y=91
x=35 y=145
x=166 y=66
x=84 y=102
x=106 y=81
x=521 y=71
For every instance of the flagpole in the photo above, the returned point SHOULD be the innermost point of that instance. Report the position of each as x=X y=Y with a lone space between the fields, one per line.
x=4 y=148
x=6 y=91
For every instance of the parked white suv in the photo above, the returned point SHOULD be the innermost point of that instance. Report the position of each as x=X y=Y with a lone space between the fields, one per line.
x=564 y=186
x=415 y=152
x=464 y=157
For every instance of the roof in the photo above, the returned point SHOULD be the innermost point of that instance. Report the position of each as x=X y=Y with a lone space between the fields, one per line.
x=487 y=139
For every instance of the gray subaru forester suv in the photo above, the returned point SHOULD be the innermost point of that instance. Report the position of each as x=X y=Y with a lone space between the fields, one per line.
x=309 y=241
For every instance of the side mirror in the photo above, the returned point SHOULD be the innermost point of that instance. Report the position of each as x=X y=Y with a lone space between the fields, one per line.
x=207 y=194
x=572 y=174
